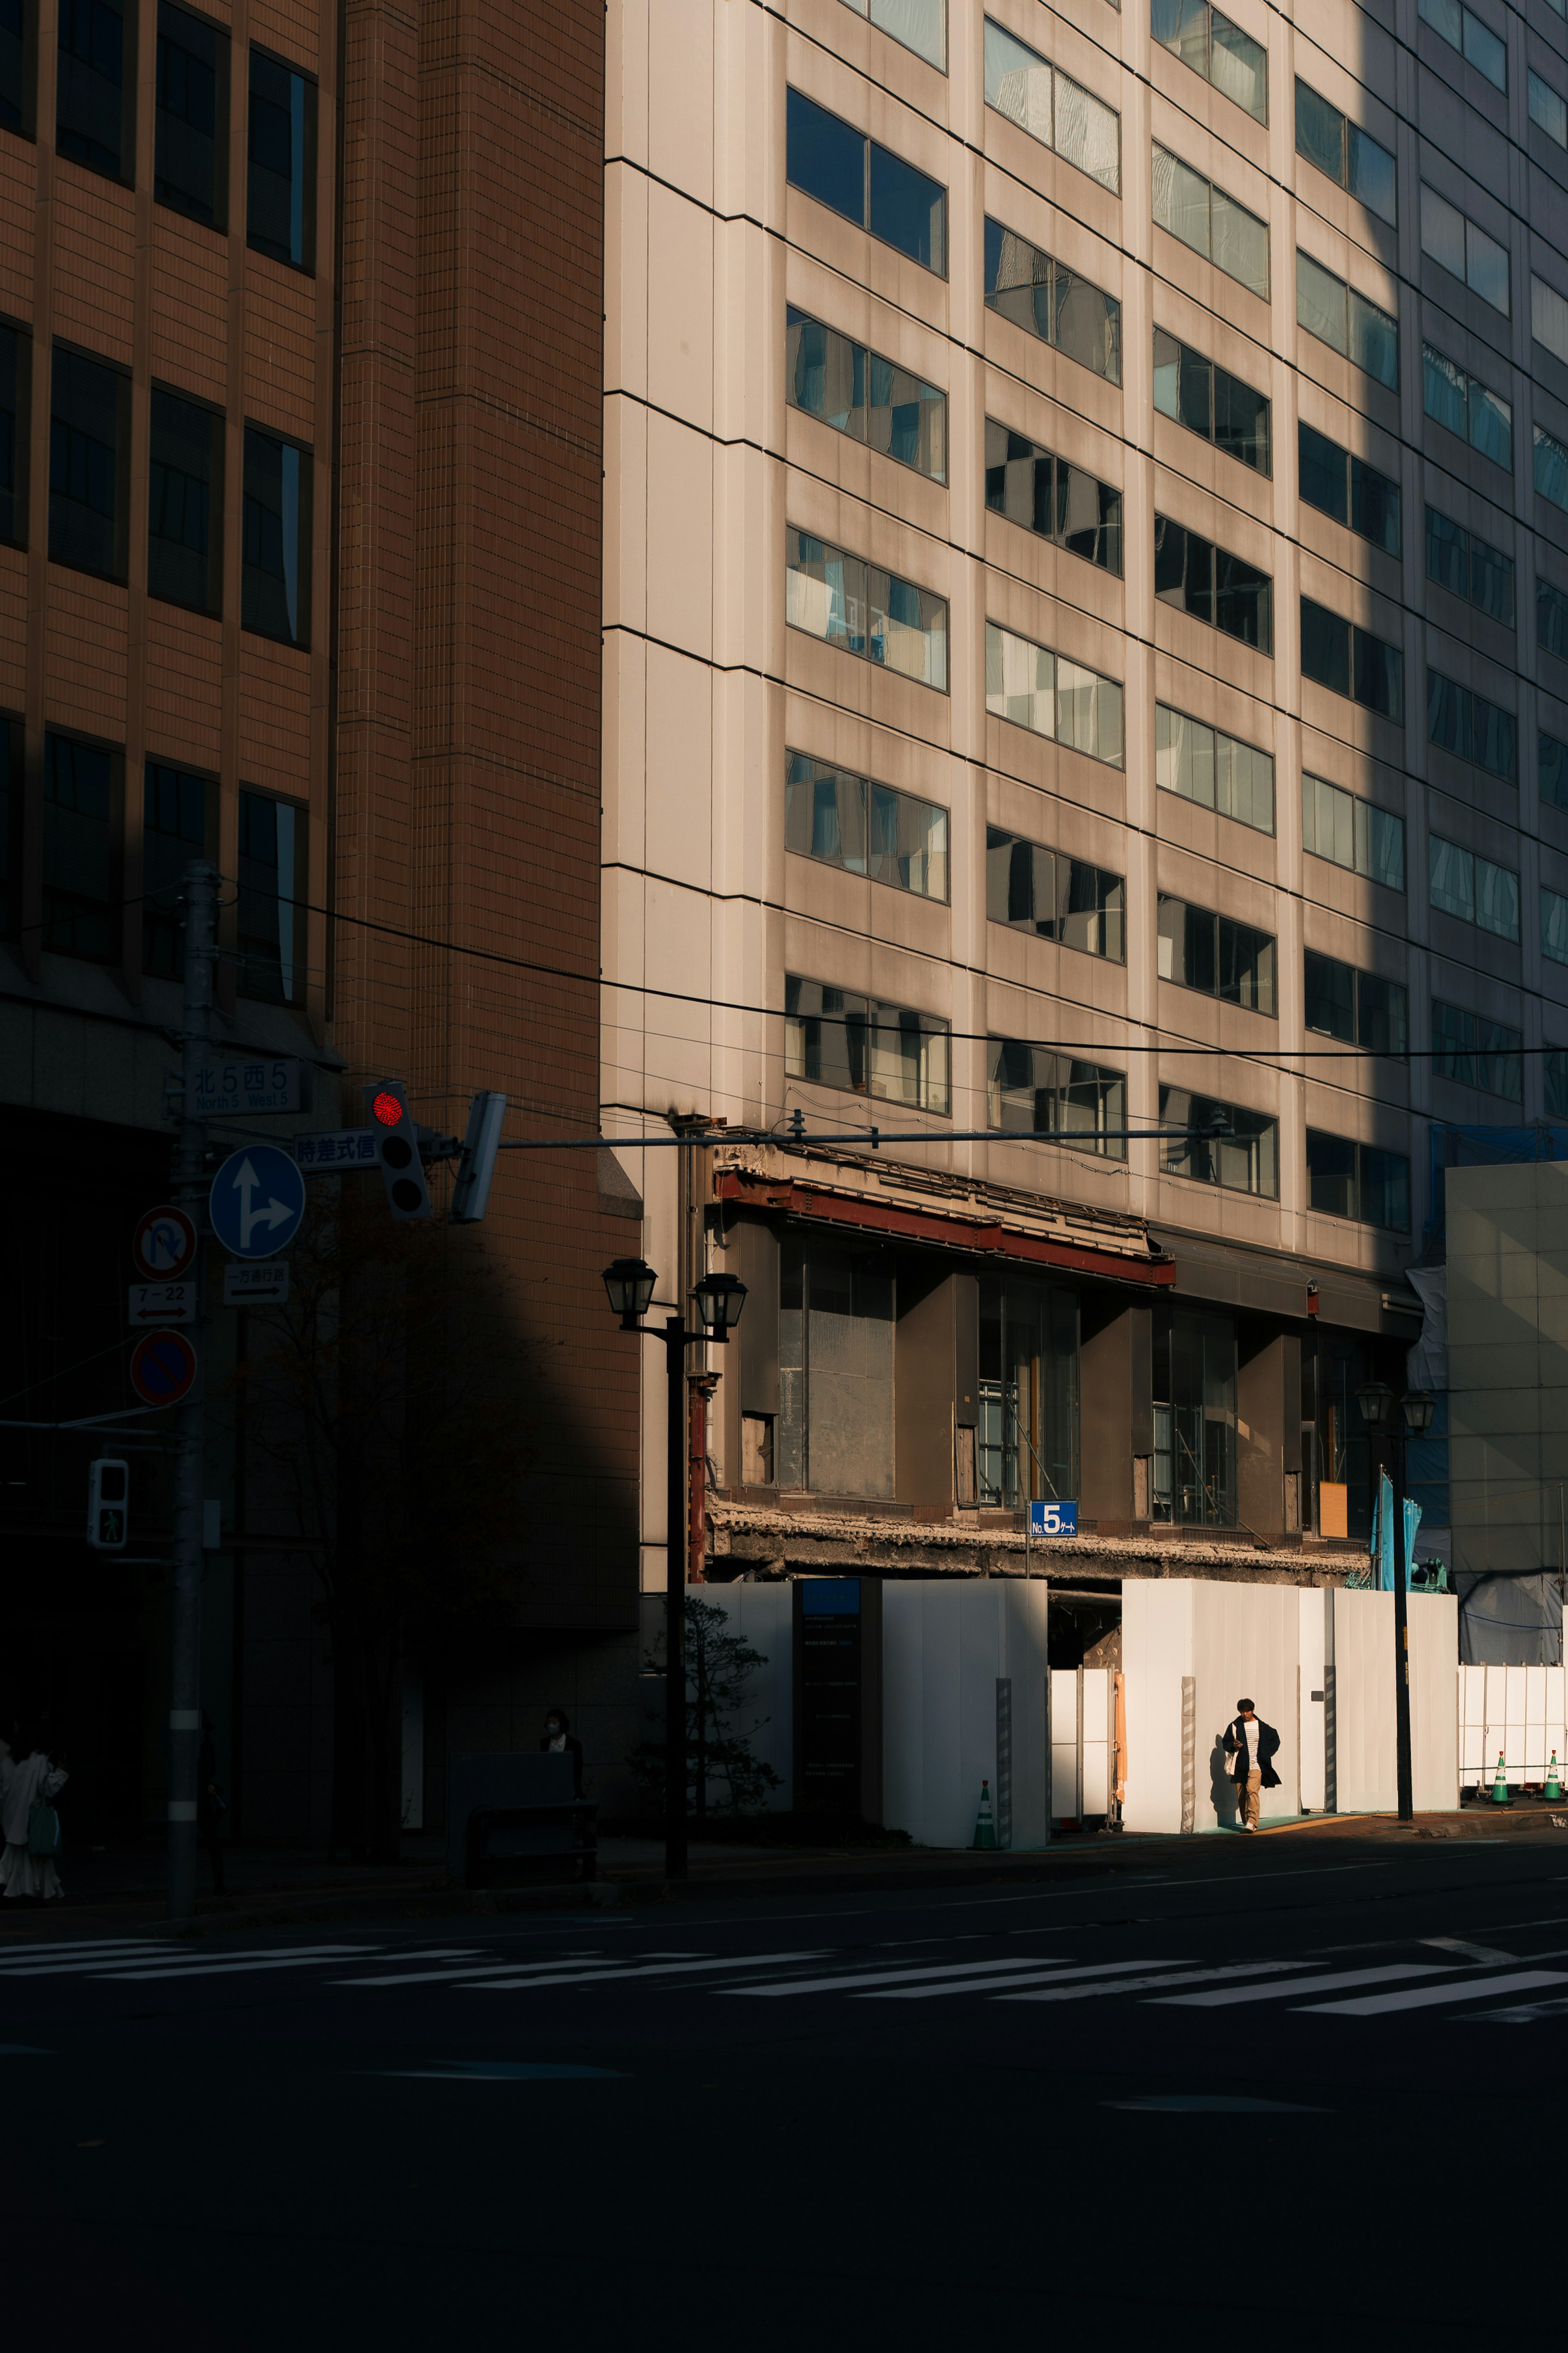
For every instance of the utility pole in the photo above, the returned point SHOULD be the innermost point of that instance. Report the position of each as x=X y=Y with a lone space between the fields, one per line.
x=677 y=1501
x=201 y=887
x=1403 y=1776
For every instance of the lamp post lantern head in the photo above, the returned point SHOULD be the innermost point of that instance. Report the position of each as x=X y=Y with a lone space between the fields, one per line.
x=1377 y=1404
x=1419 y=1409
x=720 y=1298
x=629 y=1283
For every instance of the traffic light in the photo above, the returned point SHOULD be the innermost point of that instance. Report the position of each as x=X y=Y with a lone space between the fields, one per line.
x=477 y=1165
x=397 y=1149
x=108 y=1496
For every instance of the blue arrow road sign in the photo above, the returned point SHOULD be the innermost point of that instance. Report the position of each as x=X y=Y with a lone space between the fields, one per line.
x=256 y=1201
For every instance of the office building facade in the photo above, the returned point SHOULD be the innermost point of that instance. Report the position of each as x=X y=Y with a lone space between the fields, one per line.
x=1087 y=690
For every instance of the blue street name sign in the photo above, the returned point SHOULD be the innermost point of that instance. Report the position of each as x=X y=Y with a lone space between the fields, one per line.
x=256 y=1201
x=1053 y=1519
x=336 y=1149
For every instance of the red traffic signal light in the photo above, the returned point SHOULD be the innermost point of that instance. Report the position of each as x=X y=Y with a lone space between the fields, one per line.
x=397 y=1150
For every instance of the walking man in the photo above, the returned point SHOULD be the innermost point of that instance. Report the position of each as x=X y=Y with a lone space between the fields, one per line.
x=1252 y=1743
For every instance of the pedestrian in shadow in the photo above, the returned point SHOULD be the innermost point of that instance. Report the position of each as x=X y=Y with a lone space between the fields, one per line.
x=559 y=1735
x=31 y=1780
x=211 y=1805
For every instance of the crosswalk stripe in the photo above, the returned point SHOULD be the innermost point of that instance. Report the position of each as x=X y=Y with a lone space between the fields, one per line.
x=130 y=1963
x=1519 y=2013
x=848 y=1981
x=462 y=1976
x=1379 y=2005
x=77 y=1956
x=1184 y=1975
x=1279 y=1987
x=1041 y=1974
x=653 y=1969
x=221 y=1967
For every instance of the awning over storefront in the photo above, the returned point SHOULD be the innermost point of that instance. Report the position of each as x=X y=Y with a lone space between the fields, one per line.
x=941 y=1211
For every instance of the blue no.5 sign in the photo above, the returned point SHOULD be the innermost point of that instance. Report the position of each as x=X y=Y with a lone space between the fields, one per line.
x=1057 y=1519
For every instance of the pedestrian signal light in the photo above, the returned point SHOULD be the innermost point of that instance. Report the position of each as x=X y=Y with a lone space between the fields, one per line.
x=397 y=1149
x=108 y=1496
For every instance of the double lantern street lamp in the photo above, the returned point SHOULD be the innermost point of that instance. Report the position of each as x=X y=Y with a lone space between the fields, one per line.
x=629 y=1283
x=1397 y=1420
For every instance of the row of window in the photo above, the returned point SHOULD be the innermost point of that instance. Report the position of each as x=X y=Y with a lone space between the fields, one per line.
x=866 y=828
x=95 y=116
x=837 y=1038
x=90 y=519
x=84 y=796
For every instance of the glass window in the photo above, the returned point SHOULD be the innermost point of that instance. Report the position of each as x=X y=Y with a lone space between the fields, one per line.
x=1032 y=1092
x=825 y=156
x=1054 y=897
x=1051 y=108
x=1351 y=833
x=1211 y=45
x=1056 y=304
x=1358 y=1181
x=1551 y=758
x=1466 y=565
x=1471 y=728
x=1548 y=110
x=1474 y=1052
x=1496 y=900
x=190 y=159
x=1213 y=585
x=82 y=795
x=906 y=210
x=837 y=1039
x=1212 y=223
x=1382 y=1014
x=1215 y=954
x=90 y=428
x=19 y=39
x=1549 y=317
x=1216 y=770
x=1193 y=1385
x=1357 y=1007
x=1027 y=1407
x=1551 y=620
x=1463 y=405
x=1337 y=147
x=1345 y=320
x=280 y=186
x=275 y=593
x=1452 y=878
x=1219 y=1143
x=919 y=24
x=1553 y=925
x=1555 y=1074
x=866 y=828
x=272 y=871
x=185 y=503
x=95 y=102
x=1350 y=661
x=839 y=165
x=866 y=611
x=1463 y=30
x=1348 y=488
x=1210 y=401
x=15 y=368
x=175 y=828
x=1044 y=494
x=1051 y=696
x=836 y=1322
x=1467 y=252
x=1552 y=469
x=831 y=377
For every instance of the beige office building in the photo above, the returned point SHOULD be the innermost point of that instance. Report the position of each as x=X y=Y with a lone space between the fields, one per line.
x=1086 y=697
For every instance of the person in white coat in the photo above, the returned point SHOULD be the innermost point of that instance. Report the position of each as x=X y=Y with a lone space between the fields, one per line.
x=28 y=1775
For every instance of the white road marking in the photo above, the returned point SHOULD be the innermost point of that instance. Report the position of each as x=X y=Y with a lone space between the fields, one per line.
x=1042 y=1973
x=1184 y=1975
x=218 y=1968
x=131 y=1964
x=1281 y=1986
x=656 y=1969
x=1378 y=2005
x=465 y=1976
x=1469 y=1952
x=846 y=1982
x=1519 y=2013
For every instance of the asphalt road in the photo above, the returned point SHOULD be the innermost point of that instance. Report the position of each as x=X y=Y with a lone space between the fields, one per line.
x=1312 y=2090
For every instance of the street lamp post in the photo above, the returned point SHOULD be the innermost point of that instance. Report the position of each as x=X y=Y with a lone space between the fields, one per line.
x=1382 y=1413
x=629 y=1283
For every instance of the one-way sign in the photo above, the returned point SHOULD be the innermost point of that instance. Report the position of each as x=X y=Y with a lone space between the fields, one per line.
x=153 y=1304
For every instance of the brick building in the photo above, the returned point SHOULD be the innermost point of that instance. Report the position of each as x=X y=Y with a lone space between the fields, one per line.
x=300 y=351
